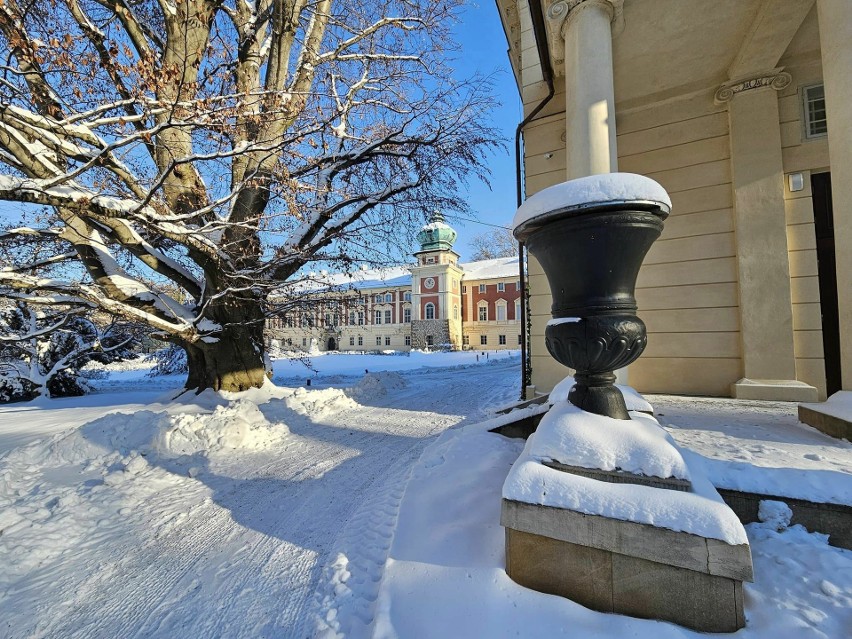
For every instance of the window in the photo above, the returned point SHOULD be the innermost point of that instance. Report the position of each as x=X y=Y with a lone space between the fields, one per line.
x=310 y=321
x=464 y=289
x=501 y=339
x=430 y=311
x=483 y=313
x=501 y=312
x=483 y=339
x=406 y=315
x=465 y=340
x=378 y=340
x=388 y=298
x=429 y=340
x=304 y=341
x=351 y=341
x=517 y=310
x=517 y=285
x=816 y=124
x=407 y=296
x=519 y=339
x=378 y=299
x=388 y=317
x=455 y=311
x=501 y=287
x=360 y=318
x=351 y=317
x=408 y=340
x=378 y=317
x=482 y=288
x=360 y=340
x=328 y=319
x=387 y=340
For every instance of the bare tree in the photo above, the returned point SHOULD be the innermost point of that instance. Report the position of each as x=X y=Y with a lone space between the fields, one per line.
x=195 y=154
x=494 y=244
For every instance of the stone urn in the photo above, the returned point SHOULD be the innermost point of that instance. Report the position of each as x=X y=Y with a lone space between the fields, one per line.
x=590 y=236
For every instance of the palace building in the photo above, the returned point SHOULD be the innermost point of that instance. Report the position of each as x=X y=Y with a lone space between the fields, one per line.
x=742 y=111
x=436 y=302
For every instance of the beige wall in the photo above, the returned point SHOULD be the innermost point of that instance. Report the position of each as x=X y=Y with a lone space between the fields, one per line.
x=687 y=291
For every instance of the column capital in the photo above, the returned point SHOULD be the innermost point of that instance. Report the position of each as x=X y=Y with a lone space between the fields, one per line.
x=560 y=13
x=775 y=79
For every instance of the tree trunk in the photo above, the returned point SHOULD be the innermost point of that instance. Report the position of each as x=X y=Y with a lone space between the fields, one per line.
x=235 y=362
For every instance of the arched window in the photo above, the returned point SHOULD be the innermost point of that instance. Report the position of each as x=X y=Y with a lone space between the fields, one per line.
x=388 y=298
x=430 y=311
x=483 y=311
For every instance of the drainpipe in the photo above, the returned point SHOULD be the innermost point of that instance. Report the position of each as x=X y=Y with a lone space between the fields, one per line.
x=537 y=16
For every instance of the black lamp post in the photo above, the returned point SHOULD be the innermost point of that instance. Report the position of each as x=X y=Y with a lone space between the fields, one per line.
x=591 y=252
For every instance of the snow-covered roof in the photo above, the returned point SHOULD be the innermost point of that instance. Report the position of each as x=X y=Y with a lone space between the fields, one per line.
x=397 y=276
x=505 y=267
x=387 y=277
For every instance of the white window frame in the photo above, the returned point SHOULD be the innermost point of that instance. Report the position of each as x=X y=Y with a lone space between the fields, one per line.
x=388 y=298
x=501 y=340
x=406 y=315
x=378 y=340
x=407 y=296
x=408 y=340
x=501 y=287
x=482 y=306
x=501 y=305
x=377 y=316
x=455 y=311
x=483 y=340
x=482 y=288
x=352 y=341
x=388 y=317
x=807 y=119
x=387 y=340
x=360 y=340
x=426 y=308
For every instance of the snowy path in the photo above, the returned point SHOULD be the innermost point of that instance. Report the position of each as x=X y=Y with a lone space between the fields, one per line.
x=238 y=549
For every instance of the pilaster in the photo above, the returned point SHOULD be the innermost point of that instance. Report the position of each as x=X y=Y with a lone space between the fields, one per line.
x=757 y=176
x=835 y=32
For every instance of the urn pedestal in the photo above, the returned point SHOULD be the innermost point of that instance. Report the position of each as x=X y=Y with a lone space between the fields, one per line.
x=581 y=505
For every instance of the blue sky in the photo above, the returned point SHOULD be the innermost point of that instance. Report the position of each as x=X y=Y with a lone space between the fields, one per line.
x=483 y=50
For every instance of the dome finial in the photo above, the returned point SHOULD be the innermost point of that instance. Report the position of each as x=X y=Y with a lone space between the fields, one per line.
x=437 y=234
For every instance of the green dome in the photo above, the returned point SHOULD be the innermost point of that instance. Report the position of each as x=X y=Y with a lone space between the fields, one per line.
x=436 y=235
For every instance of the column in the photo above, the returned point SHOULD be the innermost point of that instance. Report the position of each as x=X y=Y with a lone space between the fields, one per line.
x=586 y=31
x=835 y=33
x=757 y=176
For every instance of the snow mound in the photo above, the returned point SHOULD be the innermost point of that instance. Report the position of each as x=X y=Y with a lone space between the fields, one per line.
x=239 y=424
x=639 y=445
x=775 y=514
x=378 y=384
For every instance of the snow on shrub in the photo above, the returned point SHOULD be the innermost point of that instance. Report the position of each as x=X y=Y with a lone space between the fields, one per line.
x=169 y=361
x=43 y=349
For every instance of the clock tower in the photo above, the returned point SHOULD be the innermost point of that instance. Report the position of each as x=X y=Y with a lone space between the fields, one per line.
x=436 y=282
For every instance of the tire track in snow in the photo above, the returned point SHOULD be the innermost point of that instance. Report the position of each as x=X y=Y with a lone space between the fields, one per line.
x=246 y=558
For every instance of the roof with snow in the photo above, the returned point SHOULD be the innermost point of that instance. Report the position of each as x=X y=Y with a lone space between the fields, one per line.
x=398 y=276
x=505 y=267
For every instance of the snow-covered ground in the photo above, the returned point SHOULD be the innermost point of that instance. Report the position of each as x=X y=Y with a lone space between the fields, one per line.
x=363 y=505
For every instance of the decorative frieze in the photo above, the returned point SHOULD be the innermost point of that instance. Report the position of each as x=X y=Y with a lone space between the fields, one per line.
x=775 y=79
x=558 y=16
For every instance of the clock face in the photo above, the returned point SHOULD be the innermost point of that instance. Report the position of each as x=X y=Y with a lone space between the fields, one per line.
x=429 y=282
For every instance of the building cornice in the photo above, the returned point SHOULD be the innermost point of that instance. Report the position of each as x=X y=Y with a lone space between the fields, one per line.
x=775 y=79
x=559 y=15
